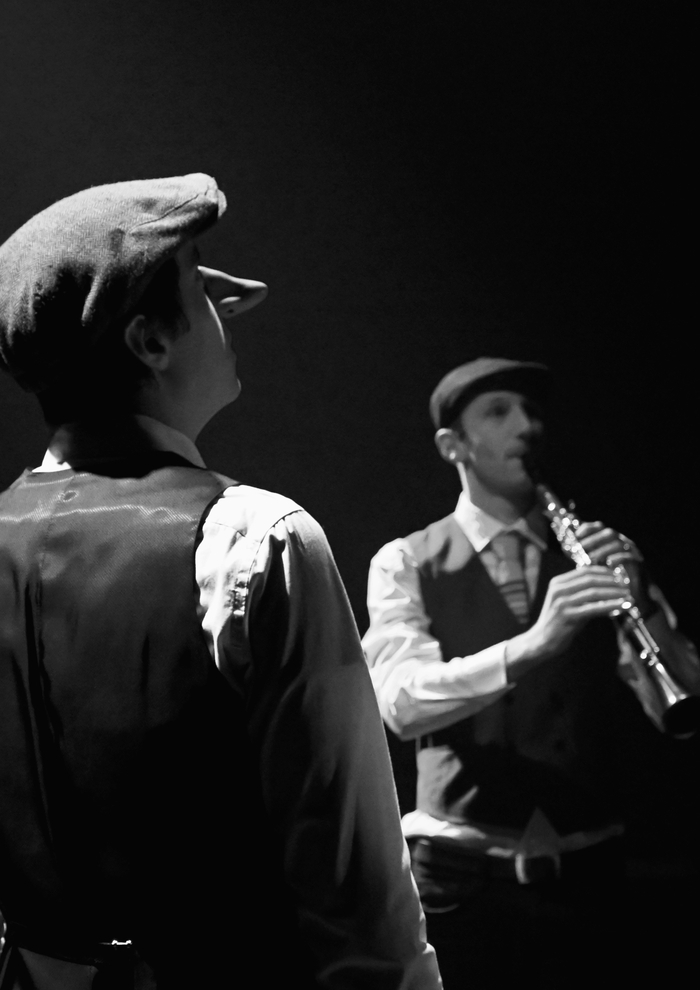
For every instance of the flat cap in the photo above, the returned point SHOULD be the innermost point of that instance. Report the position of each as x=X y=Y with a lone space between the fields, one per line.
x=77 y=268
x=456 y=390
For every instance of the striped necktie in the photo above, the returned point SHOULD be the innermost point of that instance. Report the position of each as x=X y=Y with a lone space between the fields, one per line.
x=510 y=575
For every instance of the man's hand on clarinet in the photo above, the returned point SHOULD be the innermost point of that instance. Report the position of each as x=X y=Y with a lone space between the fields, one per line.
x=572 y=600
x=606 y=546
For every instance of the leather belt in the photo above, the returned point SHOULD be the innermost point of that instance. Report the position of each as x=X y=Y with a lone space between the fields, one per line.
x=443 y=865
x=456 y=861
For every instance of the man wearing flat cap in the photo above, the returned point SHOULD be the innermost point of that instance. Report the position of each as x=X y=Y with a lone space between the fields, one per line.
x=195 y=790
x=489 y=649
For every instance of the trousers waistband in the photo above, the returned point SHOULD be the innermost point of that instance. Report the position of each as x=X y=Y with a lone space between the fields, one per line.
x=452 y=861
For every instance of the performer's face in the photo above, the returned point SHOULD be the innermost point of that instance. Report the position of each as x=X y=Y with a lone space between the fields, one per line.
x=499 y=430
x=206 y=354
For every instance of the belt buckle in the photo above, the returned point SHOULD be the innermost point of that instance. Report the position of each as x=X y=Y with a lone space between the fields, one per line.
x=536 y=869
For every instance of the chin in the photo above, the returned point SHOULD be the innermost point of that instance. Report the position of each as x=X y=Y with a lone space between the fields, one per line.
x=520 y=488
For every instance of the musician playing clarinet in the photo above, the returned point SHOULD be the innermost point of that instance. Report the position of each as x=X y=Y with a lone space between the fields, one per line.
x=498 y=657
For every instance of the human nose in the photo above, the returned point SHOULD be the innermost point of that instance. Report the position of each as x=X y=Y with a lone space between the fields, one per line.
x=230 y=295
x=528 y=424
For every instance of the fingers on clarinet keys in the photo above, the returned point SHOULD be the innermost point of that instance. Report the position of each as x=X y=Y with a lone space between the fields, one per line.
x=627 y=552
x=606 y=545
x=572 y=600
x=588 y=591
x=630 y=547
x=623 y=608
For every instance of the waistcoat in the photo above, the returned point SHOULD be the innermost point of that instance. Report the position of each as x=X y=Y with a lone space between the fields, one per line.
x=130 y=806
x=548 y=743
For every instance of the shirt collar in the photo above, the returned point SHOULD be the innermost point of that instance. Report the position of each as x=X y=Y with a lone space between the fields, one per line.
x=168 y=438
x=480 y=528
x=161 y=436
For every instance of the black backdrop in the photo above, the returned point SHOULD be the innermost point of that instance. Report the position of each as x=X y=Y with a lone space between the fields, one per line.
x=419 y=182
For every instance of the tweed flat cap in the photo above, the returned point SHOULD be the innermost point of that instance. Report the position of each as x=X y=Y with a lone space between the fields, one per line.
x=77 y=268
x=456 y=390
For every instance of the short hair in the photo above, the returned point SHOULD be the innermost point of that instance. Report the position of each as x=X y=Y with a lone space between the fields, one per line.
x=111 y=375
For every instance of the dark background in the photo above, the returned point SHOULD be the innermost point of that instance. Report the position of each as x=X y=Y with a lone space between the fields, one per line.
x=419 y=183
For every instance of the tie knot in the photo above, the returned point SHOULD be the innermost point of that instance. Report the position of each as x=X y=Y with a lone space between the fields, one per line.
x=509 y=545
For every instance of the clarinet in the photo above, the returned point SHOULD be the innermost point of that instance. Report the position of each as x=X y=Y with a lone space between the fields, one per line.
x=680 y=710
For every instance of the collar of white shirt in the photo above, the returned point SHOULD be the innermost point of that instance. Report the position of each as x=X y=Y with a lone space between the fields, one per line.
x=161 y=436
x=480 y=528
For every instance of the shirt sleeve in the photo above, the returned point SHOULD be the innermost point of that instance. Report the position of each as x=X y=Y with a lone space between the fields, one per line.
x=418 y=692
x=283 y=633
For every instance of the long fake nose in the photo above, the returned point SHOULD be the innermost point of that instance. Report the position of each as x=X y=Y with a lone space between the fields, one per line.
x=232 y=295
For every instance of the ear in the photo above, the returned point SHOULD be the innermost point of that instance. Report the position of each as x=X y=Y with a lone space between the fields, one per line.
x=148 y=343
x=452 y=447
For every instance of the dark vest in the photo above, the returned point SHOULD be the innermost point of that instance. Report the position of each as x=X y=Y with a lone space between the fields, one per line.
x=549 y=742
x=130 y=806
